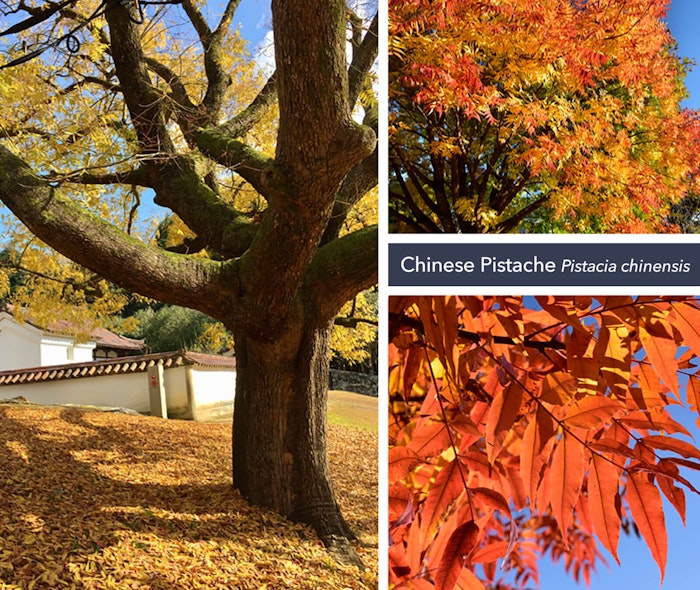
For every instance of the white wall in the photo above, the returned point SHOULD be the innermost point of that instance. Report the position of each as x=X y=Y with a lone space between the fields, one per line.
x=20 y=345
x=213 y=392
x=176 y=393
x=125 y=391
x=211 y=395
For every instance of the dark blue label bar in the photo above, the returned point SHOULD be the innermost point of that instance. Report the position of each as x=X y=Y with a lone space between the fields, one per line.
x=544 y=264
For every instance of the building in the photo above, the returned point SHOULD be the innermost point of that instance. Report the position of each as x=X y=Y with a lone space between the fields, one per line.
x=184 y=385
x=25 y=345
x=49 y=367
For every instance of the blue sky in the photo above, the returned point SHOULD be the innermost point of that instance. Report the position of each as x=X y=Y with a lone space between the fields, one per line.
x=684 y=20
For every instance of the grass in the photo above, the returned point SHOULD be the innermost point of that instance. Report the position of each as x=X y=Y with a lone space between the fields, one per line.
x=353 y=410
x=102 y=500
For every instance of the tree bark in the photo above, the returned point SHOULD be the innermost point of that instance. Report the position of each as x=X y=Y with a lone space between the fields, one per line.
x=279 y=429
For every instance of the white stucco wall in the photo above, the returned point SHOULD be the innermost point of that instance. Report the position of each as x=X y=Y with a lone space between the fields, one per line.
x=20 y=345
x=176 y=393
x=125 y=391
x=213 y=392
x=60 y=351
x=211 y=395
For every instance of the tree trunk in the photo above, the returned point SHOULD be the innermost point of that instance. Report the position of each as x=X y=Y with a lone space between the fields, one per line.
x=280 y=458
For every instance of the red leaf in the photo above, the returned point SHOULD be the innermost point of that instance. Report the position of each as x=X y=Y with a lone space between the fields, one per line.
x=402 y=460
x=502 y=415
x=592 y=411
x=567 y=471
x=536 y=450
x=430 y=438
x=646 y=507
x=460 y=545
x=661 y=352
x=604 y=501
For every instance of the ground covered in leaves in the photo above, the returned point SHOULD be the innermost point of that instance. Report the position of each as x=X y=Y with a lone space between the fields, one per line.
x=104 y=500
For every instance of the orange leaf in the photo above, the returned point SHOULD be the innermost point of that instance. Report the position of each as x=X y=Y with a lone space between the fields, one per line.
x=667 y=443
x=645 y=504
x=660 y=421
x=558 y=388
x=402 y=460
x=567 y=470
x=692 y=392
x=581 y=362
x=592 y=411
x=674 y=494
x=688 y=324
x=468 y=581
x=661 y=352
x=613 y=348
x=460 y=545
x=448 y=486
x=502 y=415
x=650 y=393
x=604 y=501
x=490 y=552
x=536 y=450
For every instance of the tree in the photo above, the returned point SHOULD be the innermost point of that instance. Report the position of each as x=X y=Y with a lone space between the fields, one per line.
x=522 y=428
x=556 y=115
x=148 y=106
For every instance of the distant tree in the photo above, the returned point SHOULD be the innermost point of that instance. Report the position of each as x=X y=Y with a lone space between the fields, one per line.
x=544 y=116
x=171 y=327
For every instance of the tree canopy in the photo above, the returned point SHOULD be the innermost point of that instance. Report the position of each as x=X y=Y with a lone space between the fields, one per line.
x=522 y=429
x=553 y=115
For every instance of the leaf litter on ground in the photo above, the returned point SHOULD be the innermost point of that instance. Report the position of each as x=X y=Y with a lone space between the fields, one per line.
x=104 y=500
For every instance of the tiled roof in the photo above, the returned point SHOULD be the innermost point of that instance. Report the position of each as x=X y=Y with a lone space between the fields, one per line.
x=132 y=364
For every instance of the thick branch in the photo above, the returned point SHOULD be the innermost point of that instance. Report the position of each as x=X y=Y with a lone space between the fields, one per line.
x=248 y=163
x=253 y=113
x=219 y=225
x=342 y=269
x=361 y=179
x=139 y=177
x=142 y=99
x=316 y=131
x=101 y=247
x=212 y=44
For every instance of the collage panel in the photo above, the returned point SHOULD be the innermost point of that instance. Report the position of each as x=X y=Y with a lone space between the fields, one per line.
x=542 y=441
x=543 y=117
x=189 y=244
